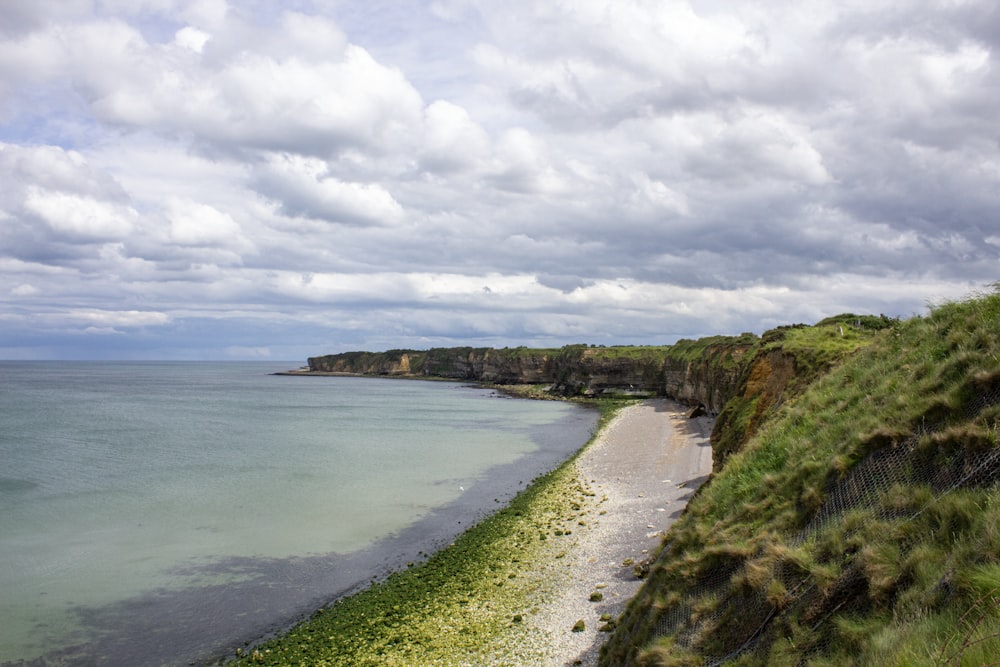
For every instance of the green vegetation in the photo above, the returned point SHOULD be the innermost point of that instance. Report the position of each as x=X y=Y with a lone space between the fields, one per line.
x=732 y=347
x=636 y=352
x=853 y=516
x=860 y=525
x=818 y=347
x=780 y=366
x=470 y=602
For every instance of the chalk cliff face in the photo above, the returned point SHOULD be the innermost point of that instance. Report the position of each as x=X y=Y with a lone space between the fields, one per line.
x=518 y=366
x=708 y=374
x=595 y=371
x=691 y=372
x=535 y=368
x=391 y=363
x=741 y=379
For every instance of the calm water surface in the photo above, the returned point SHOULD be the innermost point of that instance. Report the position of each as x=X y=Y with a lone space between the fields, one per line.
x=165 y=513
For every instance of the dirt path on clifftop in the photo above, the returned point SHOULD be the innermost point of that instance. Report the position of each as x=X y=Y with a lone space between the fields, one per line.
x=643 y=468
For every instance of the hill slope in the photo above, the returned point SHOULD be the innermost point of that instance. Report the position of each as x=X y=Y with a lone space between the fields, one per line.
x=860 y=525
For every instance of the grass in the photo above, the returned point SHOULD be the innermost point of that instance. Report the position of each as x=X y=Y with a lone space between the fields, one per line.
x=471 y=603
x=908 y=574
x=900 y=574
x=633 y=352
x=818 y=347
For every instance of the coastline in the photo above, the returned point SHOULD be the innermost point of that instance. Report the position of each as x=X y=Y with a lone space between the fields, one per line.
x=198 y=609
x=643 y=467
x=305 y=372
x=511 y=589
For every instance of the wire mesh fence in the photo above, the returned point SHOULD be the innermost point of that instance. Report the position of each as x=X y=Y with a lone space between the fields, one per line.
x=926 y=458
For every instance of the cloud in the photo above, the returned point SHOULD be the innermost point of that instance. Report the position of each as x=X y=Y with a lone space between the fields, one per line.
x=192 y=38
x=54 y=202
x=300 y=88
x=452 y=140
x=758 y=145
x=522 y=165
x=303 y=187
x=57 y=169
x=24 y=289
x=102 y=331
x=21 y=17
x=120 y=318
x=194 y=224
x=302 y=177
x=76 y=218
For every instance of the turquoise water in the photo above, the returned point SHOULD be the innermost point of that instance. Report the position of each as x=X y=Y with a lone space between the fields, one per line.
x=163 y=513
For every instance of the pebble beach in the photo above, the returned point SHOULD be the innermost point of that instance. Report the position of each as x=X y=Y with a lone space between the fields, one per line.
x=537 y=582
x=642 y=468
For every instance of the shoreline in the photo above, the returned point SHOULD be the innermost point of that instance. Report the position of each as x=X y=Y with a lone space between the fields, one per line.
x=510 y=590
x=644 y=467
x=222 y=602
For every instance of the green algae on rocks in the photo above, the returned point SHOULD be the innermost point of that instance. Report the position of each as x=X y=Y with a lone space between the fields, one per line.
x=471 y=603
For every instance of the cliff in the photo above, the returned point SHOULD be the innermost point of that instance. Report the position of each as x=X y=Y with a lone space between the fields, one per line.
x=741 y=379
x=859 y=525
x=853 y=516
x=705 y=372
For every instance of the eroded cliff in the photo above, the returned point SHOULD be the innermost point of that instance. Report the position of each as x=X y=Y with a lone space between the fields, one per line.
x=739 y=378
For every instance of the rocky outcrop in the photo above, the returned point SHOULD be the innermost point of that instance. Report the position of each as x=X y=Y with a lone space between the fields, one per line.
x=483 y=364
x=392 y=363
x=708 y=372
x=705 y=372
x=741 y=379
x=770 y=374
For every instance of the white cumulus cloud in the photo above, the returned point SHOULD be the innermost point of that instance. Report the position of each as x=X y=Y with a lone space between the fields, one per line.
x=222 y=176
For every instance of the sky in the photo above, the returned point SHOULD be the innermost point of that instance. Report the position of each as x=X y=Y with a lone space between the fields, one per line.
x=202 y=179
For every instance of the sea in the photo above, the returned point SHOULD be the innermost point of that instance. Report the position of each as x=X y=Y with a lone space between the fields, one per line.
x=168 y=513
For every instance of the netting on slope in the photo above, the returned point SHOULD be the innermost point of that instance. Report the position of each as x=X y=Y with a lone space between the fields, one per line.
x=918 y=460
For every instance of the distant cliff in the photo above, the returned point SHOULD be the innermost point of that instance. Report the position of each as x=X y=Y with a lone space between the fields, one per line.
x=739 y=378
x=705 y=372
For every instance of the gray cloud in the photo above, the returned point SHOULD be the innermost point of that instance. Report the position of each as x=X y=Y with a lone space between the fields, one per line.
x=197 y=179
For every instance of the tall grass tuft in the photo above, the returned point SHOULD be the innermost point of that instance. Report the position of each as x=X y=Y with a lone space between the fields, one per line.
x=863 y=517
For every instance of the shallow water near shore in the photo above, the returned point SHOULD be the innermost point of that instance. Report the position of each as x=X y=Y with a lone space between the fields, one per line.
x=165 y=513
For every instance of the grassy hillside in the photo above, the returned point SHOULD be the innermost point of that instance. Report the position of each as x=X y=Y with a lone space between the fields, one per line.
x=861 y=524
x=779 y=366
